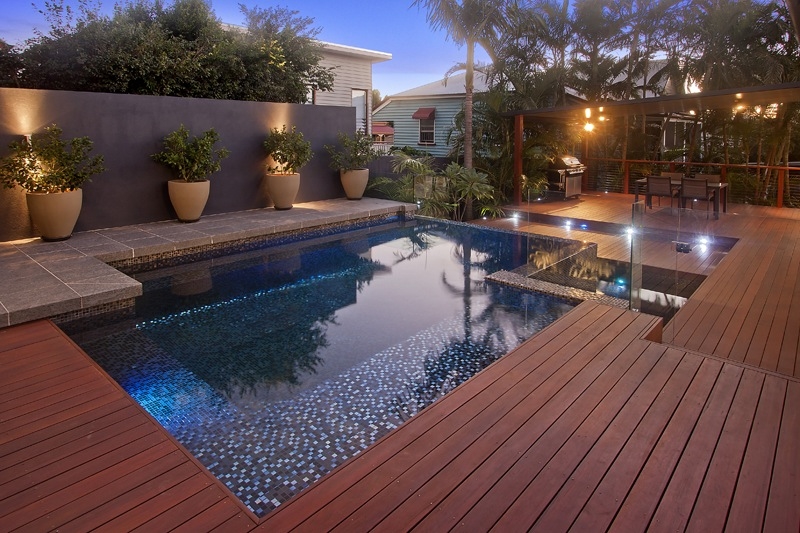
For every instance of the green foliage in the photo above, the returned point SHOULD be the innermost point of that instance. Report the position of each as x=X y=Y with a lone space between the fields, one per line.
x=177 y=49
x=288 y=150
x=10 y=65
x=354 y=152
x=450 y=193
x=49 y=164
x=191 y=159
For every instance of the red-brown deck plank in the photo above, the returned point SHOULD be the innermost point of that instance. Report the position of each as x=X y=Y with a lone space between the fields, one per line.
x=494 y=486
x=783 y=505
x=678 y=500
x=76 y=450
x=552 y=475
x=526 y=417
x=713 y=502
x=750 y=498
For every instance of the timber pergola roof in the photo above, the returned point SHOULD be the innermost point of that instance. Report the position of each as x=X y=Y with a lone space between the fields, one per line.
x=685 y=104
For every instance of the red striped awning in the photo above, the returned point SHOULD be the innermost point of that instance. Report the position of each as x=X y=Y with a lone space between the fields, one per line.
x=424 y=113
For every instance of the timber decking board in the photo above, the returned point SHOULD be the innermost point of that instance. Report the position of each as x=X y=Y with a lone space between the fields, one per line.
x=71 y=448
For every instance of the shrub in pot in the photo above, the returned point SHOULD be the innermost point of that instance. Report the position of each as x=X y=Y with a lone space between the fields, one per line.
x=52 y=171
x=193 y=161
x=351 y=157
x=287 y=152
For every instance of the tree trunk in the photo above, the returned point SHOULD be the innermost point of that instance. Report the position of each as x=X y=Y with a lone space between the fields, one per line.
x=469 y=78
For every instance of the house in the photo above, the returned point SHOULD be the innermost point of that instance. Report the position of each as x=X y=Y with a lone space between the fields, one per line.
x=423 y=117
x=352 y=84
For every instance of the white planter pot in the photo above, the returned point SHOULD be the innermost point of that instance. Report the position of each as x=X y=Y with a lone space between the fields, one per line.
x=354 y=182
x=55 y=214
x=188 y=198
x=282 y=189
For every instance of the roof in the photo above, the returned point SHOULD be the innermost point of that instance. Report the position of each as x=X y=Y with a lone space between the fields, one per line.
x=382 y=129
x=373 y=55
x=673 y=104
x=450 y=86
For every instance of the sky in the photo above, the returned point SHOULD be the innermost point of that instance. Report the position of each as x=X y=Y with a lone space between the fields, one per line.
x=419 y=55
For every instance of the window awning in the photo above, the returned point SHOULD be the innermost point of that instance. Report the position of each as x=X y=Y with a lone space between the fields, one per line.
x=424 y=113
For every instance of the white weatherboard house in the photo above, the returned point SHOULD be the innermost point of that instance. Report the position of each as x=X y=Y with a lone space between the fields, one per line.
x=352 y=78
x=423 y=117
x=352 y=85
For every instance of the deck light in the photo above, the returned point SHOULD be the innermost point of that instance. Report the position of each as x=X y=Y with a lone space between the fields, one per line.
x=588 y=126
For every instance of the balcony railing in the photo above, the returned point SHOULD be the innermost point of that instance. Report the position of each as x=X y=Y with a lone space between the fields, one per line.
x=382 y=147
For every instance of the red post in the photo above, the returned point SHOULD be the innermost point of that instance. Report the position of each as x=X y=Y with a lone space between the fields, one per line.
x=781 y=185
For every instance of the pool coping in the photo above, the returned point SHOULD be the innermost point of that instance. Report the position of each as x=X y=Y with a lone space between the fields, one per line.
x=68 y=279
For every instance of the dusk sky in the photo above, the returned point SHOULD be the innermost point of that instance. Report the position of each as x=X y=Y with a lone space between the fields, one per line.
x=420 y=55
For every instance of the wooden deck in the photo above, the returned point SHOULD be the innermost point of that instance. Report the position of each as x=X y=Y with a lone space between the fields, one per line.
x=747 y=309
x=585 y=427
x=603 y=421
x=77 y=453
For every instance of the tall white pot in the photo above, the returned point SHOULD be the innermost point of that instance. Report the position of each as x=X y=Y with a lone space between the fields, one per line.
x=188 y=198
x=354 y=182
x=55 y=213
x=282 y=189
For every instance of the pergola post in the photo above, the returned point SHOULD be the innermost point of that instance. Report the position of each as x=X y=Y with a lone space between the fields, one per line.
x=518 y=133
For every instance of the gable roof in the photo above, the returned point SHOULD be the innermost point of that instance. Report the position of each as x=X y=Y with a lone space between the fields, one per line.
x=451 y=86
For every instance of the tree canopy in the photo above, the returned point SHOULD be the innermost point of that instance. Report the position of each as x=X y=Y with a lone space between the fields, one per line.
x=546 y=53
x=176 y=49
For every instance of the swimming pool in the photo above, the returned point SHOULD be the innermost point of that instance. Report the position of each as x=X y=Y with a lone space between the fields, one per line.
x=275 y=365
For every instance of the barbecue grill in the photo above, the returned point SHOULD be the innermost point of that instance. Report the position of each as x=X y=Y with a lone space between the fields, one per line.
x=564 y=176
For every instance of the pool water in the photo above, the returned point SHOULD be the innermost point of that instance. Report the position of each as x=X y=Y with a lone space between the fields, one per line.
x=273 y=366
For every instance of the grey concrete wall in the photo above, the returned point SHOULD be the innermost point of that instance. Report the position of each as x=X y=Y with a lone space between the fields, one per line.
x=127 y=129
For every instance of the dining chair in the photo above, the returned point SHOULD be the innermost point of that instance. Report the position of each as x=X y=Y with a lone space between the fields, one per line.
x=712 y=178
x=696 y=189
x=660 y=187
x=673 y=175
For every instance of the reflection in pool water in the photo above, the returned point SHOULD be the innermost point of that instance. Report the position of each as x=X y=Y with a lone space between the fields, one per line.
x=274 y=366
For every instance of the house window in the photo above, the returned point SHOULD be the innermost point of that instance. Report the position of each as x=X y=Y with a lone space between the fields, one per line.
x=426 y=131
x=427 y=124
x=359 y=98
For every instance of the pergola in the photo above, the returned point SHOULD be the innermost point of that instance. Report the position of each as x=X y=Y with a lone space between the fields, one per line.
x=686 y=104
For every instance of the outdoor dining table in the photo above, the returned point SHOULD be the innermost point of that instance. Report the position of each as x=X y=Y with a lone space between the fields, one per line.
x=720 y=192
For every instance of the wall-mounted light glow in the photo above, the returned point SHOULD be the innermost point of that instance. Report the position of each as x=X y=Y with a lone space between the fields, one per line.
x=588 y=113
x=601 y=118
x=600 y=109
x=739 y=96
x=588 y=126
x=692 y=112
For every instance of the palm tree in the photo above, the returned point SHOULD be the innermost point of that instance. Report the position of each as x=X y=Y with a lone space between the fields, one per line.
x=467 y=22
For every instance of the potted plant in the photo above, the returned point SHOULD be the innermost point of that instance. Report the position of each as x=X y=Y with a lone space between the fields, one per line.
x=351 y=158
x=52 y=172
x=193 y=161
x=287 y=152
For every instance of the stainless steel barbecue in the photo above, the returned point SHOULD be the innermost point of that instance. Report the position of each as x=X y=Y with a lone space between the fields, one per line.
x=564 y=176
